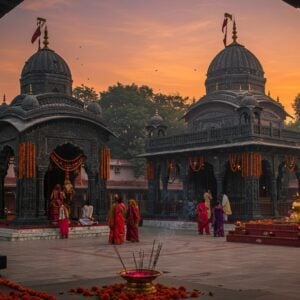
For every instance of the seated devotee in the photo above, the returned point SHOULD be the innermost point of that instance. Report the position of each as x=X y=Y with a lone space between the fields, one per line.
x=87 y=214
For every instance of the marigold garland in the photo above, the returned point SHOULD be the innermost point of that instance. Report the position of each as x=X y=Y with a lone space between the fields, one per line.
x=27 y=160
x=251 y=164
x=150 y=170
x=104 y=163
x=67 y=165
x=24 y=293
x=172 y=170
x=290 y=163
x=196 y=163
x=116 y=291
x=234 y=162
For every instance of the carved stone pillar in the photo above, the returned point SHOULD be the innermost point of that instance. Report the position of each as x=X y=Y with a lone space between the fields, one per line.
x=103 y=201
x=153 y=192
x=251 y=192
x=42 y=202
x=2 y=200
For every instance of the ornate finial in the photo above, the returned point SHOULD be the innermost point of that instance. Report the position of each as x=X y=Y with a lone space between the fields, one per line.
x=269 y=94
x=4 y=99
x=45 y=42
x=277 y=99
x=234 y=32
x=30 y=89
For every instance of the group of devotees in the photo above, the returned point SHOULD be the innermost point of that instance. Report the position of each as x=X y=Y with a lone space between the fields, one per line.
x=216 y=215
x=124 y=221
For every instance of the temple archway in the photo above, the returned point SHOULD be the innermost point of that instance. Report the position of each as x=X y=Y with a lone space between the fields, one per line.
x=265 y=189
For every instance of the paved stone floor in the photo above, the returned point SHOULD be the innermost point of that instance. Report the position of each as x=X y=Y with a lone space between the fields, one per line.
x=228 y=270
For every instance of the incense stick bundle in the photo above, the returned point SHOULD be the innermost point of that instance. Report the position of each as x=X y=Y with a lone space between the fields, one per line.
x=120 y=258
x=136 y=267
x=150 y=260
x=156 y=256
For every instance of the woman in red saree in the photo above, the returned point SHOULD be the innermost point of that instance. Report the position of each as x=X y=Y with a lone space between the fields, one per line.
x=202 y=211
x=116 y=221
x=63 y=221
x=132 y=220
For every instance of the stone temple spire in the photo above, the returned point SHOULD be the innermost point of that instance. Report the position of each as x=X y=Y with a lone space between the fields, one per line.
x=234 y=33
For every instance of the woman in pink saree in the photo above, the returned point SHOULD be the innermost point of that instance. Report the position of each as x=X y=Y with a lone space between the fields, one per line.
x=63 y=221
x=132 y=220
x=116 y=221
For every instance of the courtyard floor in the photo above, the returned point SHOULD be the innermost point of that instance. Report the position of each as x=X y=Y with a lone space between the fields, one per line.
x=220 y=269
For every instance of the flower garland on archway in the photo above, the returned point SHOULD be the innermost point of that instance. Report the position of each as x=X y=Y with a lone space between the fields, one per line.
x=67 y=165
x=290 y=163
x=235 y=162
x=196 y=163
x=172 y=169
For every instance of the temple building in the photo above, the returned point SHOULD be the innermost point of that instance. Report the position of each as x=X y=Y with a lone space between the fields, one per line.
x=48 y=136
x=236 y=143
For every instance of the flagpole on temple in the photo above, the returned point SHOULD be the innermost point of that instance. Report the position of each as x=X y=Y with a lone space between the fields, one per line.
x=37 y=34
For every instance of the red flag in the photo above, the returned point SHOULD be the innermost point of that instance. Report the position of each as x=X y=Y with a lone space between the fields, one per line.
x=36 y=34
x=224 y=24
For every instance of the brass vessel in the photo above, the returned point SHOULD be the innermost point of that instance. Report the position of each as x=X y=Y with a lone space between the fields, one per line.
x=140 y=281
x=295 y=215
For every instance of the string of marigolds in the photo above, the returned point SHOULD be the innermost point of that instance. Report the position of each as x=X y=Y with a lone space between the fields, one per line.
x=67 y=165
x=251 y=164
x=27 y=160
x=196 y=163
x=150 y=170
x=290 y=162
x=104 y=163
x=234 y=162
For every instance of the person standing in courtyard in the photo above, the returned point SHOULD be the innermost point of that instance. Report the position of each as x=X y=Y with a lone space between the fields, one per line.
x=56 y=198
x=203 y=222
x=208 y=198
x=218 y=220
x=226 y=206
x=63 y=221
x=116 y=221
x=132 y=220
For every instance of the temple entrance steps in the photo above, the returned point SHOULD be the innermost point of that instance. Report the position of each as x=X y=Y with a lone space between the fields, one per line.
x=49 y=233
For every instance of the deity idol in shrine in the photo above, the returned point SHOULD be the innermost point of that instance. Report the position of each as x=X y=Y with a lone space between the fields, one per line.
x=295 y=215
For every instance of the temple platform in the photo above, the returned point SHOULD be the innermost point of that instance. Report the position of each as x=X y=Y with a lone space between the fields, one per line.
x=25 y=233
x=285 y=234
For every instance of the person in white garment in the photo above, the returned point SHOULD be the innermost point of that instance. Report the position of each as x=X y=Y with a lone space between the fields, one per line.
x=226 y=206
x=87 y=214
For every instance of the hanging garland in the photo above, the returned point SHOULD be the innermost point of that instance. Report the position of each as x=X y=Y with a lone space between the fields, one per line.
x=196 y=163
x=172 y=170
x=251 y=164
x=27 y=160
x=150 y=170
x=104 y=163
x=67 y=165
x=290 y=163
x=234 y=162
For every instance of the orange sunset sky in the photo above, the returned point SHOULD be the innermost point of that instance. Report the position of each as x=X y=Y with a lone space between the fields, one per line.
x=165 y=44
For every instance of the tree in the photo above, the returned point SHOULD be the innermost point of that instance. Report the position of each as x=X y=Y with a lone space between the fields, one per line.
x=85 y=94
x=296 y=106
x=127 y=110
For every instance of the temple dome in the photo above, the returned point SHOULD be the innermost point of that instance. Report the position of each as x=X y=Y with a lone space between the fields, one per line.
x=46 y=72
x=30 y=102
x=94 y=108
x=156 y=120
x=249 y=100
x=235 y=68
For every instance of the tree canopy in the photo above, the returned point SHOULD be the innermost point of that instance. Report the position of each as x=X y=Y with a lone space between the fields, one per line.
x=127 y=110
x=296 y=107
x=85 y=94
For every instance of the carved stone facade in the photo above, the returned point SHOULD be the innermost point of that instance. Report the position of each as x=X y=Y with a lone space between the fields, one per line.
x=233 y=119
x=45 y=118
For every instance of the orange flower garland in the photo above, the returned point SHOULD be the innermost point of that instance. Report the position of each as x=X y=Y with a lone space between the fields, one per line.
x=251 y=164
x=234 y=162
x=67 y=165
x=197 y=163
x=290 y=163
x=104 y=163
x=25 y=293
x=150 y=170
x=116 y=291
x=27 y=160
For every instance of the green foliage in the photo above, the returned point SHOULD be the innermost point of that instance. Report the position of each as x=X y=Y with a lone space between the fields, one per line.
x=127 y=110
x=85 y=94
x=296 y=106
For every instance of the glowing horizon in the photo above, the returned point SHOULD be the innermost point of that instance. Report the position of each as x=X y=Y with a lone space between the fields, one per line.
x=165 y=44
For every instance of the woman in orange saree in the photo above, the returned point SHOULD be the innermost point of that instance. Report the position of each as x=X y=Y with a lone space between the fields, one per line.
x=132 y=220
x=116 y=221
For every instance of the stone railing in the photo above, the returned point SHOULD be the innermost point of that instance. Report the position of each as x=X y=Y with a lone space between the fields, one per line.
x=226 y=135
